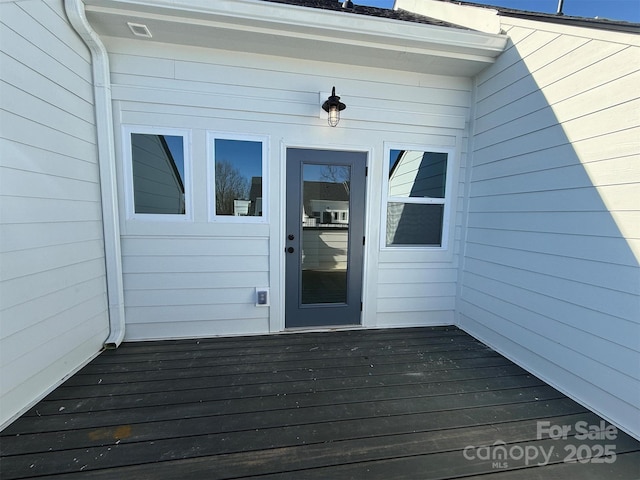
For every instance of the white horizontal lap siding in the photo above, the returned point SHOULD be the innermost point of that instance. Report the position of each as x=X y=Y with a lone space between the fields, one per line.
x=229 y=86
x=53 y=301
x=416 y=293
x=212 y=90
x=193 y=286
x=550 y=274
x=418 y=286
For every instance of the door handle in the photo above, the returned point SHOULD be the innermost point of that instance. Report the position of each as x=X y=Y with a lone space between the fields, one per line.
x=290 y=250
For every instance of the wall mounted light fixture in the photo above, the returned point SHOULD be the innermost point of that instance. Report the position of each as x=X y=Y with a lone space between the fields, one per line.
x=333 y=106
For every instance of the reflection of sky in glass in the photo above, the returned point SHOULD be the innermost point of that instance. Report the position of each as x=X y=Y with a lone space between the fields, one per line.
x=393 y=157
x=174 y=143
x=313 y=173
x=326 y=173
x=244 y=155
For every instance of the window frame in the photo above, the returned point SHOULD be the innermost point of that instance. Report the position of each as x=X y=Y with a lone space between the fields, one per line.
x=127 y=157
x=212 y=136
x=445 y=201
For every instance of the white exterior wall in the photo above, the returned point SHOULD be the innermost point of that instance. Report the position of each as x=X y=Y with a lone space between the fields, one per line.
x=195 y=278
x=550 y=275
x=418 y=286
x=53 y=291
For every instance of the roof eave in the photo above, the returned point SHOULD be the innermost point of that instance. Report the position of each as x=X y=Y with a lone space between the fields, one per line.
x=269 y=28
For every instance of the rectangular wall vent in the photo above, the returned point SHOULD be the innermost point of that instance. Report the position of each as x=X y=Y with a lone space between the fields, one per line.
x=139 y=30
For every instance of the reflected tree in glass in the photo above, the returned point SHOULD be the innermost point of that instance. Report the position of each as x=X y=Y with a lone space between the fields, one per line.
x=231 y=185
x=238 y=177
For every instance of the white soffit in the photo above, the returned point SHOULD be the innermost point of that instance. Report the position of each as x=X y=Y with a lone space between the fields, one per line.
x=269 y=28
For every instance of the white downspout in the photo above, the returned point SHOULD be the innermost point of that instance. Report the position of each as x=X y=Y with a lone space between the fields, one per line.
x=107 y=164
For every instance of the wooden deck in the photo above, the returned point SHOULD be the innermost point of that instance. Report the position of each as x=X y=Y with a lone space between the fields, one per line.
x=368 y=404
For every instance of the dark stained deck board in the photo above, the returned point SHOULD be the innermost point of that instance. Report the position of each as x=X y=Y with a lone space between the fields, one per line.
x=290 y=413
x=262 y=413
x=408 y=454
x=369 y=458
x=282 y=362
x=254 y=384
x=276 y=396
x=235 y=353
x=210 y=357
x=287 y=435
x=398 y=403
x=221 y=387
x=313 y=370
x=291 y=343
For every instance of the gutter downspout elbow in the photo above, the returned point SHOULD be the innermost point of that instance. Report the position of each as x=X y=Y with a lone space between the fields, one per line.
x=106 y=160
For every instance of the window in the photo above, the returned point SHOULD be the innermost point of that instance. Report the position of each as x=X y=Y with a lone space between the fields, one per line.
x=416 y=203
x=237 y=181
x=157 y=173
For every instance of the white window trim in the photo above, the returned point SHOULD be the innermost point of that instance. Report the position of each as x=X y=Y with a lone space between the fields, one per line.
x=211 y=177
x=127 y=169
x=446 y=201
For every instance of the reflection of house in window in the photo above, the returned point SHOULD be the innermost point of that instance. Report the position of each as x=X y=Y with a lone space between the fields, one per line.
x=241 y=207
x=252 y=206
x=325 y=220
x=326 y=204
x=255 y=197
x=157 y=182
x=415 y=210
x=418 y=174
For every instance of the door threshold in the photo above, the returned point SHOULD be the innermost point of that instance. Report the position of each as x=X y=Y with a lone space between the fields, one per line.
x=322 y=328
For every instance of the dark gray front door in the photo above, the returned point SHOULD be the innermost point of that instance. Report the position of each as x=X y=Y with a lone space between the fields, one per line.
x=325 y=236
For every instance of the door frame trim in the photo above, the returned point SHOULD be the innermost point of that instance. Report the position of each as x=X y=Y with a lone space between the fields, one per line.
x=277 y=322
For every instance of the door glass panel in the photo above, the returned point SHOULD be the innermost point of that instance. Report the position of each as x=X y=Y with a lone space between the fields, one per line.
x=325 y=233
